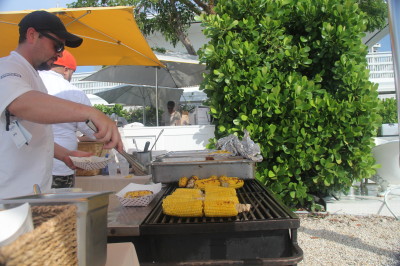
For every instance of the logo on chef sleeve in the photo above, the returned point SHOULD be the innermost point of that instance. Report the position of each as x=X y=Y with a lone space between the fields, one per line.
x=10 y=75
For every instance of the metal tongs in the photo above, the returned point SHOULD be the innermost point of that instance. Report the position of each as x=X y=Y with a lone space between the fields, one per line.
x=139 y=168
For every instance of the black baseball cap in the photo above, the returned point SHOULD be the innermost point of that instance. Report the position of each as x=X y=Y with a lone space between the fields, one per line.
x=45 y=21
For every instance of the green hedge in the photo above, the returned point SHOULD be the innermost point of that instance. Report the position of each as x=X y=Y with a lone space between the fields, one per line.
x=293 y=74
x=388 y=110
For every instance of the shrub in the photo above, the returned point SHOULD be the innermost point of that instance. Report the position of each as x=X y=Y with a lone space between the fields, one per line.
x=293 y=74
x=388 y=110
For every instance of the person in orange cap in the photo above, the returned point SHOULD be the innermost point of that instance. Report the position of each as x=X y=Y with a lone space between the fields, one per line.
x=57 y=81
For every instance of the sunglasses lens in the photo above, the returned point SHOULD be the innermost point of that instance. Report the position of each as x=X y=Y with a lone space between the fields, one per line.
x=59 y=47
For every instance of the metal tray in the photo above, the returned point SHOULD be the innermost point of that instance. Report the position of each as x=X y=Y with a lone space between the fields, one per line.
x=167 y=172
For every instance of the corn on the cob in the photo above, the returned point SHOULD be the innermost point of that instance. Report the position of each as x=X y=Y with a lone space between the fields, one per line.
x=202 y=183
x=191 y=181
x=219 y=191
x=183 y=181
x=137 y=193
x=233 y=182
x=182 y=207
x=188 y=193
x=220 y=208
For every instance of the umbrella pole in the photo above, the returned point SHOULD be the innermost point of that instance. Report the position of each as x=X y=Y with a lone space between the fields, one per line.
x=157 y=96
x=144 y=115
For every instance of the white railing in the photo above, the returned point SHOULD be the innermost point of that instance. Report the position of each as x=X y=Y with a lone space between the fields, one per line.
x=380 y=65
x=91 y=87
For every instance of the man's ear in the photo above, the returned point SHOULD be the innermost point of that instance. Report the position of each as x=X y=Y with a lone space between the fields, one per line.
x=31 y=35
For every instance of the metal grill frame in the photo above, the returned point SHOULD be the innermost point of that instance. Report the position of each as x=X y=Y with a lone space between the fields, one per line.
x=267 y=213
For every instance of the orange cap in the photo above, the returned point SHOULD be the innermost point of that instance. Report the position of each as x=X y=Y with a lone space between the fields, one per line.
x=66 y=60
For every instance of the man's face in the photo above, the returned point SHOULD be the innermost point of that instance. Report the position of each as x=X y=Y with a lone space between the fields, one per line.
x=52 y=48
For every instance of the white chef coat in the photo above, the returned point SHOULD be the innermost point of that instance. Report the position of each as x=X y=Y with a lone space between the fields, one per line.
x=65 y=133
x=31 y=164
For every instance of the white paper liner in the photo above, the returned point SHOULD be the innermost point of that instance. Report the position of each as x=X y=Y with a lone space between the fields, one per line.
x=139 y=201
x=90 y=163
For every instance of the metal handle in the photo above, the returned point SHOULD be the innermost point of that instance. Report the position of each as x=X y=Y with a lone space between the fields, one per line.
x=146 y=146
x=162 y=130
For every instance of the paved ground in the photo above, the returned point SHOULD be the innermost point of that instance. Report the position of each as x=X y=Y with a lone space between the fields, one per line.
x=364 y=202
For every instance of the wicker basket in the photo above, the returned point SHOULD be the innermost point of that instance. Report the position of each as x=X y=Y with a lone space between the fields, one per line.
x=52 y=242
x=97 y=149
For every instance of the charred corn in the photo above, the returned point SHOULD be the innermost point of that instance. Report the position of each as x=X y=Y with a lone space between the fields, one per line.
x=233 y=182
x=192 y=181
x=183 y=181
x=182 y=207
x=220 y=208
x=202 y=183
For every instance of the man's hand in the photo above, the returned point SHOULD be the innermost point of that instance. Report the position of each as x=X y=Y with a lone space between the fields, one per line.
x=67 y=160
x=107 y=131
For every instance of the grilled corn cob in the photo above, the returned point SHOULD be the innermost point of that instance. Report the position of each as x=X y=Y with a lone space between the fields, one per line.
x=182 y=207
x=220 y=208
x=183 y=181
x=137 y=193
x=192 y=181
x=202 y=183
x=233 y=182
x=219 y=191
x=188 y=193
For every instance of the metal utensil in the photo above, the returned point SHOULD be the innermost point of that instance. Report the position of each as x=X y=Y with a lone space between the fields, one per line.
x=134 y=142
x=137 y=166
x=146 y=146
x=162 y=130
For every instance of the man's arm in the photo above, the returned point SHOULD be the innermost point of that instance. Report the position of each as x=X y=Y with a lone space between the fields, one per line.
x=42 y=108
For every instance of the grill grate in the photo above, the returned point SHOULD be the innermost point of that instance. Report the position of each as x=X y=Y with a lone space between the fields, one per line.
x=267 y=212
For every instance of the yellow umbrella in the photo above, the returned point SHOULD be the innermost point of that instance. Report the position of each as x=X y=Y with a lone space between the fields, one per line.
x=110 y=35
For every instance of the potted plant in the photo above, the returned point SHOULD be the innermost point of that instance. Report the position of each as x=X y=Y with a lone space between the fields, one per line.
x=388 y=112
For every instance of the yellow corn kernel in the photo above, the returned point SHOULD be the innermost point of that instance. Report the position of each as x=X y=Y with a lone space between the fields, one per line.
x=215 y=198
x=233 y=182
x=137 y=193
x=182 y=207
x=220 y=191
x=183 y=181
x=187 y=192
x=202 y=183
x=220 y=208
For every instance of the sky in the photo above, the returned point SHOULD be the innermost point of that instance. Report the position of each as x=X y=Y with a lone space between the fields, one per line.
x=15 y=5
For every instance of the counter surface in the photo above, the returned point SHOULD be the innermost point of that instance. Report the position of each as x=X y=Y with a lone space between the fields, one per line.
x=122 y=221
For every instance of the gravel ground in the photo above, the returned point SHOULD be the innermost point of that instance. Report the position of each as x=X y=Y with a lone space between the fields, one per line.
x=349 y=240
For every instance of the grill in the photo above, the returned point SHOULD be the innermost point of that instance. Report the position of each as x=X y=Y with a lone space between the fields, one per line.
x=267 y=235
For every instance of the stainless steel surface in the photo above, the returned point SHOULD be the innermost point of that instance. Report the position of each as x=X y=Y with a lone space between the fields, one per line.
x=125 y=221
x=144 y=158
x=122 y=221
x=191 y=153
x=91 y=221
x=167 y=172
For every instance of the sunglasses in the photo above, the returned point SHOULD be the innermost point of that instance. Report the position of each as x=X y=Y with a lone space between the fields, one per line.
x=58 y=45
